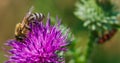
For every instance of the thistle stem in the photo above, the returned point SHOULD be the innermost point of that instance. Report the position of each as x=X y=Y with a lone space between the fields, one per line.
x=90 y=45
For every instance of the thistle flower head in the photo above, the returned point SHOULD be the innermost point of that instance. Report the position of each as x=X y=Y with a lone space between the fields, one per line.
x=42 y=45
x=94 y=17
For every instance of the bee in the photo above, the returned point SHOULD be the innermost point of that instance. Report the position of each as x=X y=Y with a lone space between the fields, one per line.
x=107 y=36
x=23 y=28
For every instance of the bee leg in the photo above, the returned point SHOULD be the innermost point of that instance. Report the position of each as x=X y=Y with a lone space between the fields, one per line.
x=17 y=28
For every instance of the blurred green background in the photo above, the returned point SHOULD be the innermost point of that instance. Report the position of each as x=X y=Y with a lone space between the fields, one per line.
x=13 y=11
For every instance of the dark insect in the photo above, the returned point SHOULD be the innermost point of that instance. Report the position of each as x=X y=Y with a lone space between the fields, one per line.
x=107 y=36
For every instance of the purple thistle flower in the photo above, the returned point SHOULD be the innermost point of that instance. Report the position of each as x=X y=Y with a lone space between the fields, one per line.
x=42 y=44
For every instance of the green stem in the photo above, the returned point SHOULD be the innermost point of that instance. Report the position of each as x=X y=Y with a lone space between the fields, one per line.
x=90 y=45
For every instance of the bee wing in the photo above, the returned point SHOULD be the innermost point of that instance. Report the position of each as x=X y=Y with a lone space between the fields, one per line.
x=30 y=11
x=27 y=15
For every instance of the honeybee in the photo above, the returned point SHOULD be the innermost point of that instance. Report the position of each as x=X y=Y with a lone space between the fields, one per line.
x=107 y=36
x=24 y=27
